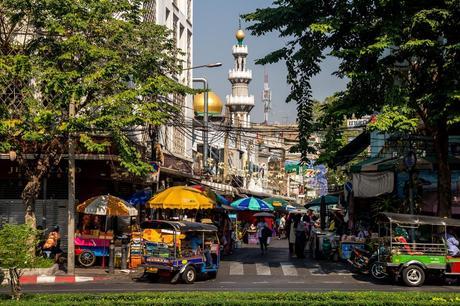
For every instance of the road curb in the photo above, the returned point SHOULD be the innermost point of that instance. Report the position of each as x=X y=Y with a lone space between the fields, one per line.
x=45 y=279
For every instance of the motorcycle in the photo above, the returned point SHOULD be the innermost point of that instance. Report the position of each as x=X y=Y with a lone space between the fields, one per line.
x=367 y=262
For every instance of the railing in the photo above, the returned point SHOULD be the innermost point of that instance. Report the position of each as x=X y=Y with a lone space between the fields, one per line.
x=240 y=49
x=240 y=100
x=238 y=74
x=436 y=249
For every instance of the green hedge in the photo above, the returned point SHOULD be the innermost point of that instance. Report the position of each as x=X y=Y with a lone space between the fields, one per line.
x=241 y=298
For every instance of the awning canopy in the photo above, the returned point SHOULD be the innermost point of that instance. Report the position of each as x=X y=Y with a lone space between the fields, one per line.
x=375 y=164
x=417 y=219
x=352 y=149
x=264 y=194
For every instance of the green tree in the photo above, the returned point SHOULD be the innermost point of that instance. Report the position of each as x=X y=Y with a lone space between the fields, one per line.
x=17 y=252
x=396 y=54
x=96 y=54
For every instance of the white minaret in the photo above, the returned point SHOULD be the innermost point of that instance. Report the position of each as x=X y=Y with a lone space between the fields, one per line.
x=266 y=98
x=240 y=103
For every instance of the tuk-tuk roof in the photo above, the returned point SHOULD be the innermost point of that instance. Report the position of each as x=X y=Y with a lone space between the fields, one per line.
x=417 y=219
x=181 y=226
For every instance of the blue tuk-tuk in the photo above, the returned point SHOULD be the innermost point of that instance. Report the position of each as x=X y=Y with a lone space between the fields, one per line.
x=180 y=250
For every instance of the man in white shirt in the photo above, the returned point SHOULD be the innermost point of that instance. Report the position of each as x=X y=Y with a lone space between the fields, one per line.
x=282 y=227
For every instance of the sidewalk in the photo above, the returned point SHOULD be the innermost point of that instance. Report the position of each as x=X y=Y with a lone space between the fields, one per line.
x=55 y=279
x=82 y=275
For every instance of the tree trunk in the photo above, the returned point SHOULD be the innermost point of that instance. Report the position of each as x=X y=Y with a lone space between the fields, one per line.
x=49 y=154
x=15 y=283
x=31 y=192
x=441 y=146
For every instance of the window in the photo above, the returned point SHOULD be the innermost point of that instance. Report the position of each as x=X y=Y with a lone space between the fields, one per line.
x=189 y=10
x=150 y=11
x=178 y=132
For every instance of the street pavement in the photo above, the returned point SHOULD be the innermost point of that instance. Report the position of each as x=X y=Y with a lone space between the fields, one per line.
x=247 y=270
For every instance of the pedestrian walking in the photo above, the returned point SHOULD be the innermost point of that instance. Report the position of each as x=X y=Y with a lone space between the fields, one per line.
x=290 y=234
x=262 y=234
x=300 y=236
x=282 y=226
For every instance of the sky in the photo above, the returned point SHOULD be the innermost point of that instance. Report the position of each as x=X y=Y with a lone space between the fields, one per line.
x=215 y=23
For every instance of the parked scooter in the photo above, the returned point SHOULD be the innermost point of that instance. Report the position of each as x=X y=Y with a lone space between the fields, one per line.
x=367 y=262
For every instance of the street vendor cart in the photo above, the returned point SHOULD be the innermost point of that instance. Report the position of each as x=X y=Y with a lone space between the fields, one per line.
x=93 y=239
x=180 y=250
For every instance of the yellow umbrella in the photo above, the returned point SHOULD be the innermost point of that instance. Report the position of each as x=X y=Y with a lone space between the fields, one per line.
x=180 y=197
x=106 y=205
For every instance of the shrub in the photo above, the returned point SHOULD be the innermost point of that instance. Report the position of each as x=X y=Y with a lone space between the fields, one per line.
x=17 y=252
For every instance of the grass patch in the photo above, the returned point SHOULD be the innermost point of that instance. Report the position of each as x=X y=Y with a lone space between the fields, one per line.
x=240 y=298
x=43 y=262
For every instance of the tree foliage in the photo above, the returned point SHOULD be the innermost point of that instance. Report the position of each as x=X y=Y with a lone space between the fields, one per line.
x=397 y=55
x=99 y=55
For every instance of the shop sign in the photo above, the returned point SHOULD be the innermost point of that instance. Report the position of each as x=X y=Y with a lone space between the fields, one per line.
x=357 y=123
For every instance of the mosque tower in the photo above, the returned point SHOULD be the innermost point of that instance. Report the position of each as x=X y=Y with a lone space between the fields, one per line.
x=240 y=103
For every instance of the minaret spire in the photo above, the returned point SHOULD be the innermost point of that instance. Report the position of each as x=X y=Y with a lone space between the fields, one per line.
x=240 y=103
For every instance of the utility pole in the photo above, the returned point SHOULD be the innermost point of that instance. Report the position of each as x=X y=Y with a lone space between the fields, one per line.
x=226 y=121
x=71 y=198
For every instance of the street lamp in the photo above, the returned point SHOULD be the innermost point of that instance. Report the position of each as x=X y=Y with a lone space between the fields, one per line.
x=213 y=65
x=204 y=81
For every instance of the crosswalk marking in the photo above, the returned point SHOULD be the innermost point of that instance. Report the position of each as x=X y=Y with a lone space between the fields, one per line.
x=236 y=268
x=288 y=269
x=263 y=269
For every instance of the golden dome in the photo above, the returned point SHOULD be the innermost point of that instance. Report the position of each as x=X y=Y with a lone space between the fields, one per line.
x=215 y=104
x=240 y=35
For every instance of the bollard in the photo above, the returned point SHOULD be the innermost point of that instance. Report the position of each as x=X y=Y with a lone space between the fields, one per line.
x=124 y=254
x=111 y=257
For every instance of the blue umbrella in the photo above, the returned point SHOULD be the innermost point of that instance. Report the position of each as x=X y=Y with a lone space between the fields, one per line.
x=140 y=197
x=252 y=203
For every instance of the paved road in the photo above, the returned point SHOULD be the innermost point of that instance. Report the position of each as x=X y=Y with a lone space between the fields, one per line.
x=247 y=270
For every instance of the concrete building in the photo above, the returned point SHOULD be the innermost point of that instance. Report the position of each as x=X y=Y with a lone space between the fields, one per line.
x=176 y=143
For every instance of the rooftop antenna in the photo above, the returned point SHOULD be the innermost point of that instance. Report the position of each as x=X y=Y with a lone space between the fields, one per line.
x=266 y=97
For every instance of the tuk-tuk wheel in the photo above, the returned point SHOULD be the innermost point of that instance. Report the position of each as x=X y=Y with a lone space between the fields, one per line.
x=413 y=276
x=189 y=275
x=378 y=271
x=87 y=258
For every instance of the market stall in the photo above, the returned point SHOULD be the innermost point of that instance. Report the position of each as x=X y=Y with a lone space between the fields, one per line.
x=95 y=227
x=246 y=208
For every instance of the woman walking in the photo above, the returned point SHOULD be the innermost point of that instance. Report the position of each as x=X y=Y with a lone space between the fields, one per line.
x=300 y=237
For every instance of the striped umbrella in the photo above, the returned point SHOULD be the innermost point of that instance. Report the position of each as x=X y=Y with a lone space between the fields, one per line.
x=106 y=205
x=252 y=203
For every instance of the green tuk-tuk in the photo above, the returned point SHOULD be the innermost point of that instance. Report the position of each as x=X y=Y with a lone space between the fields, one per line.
x=417 y=245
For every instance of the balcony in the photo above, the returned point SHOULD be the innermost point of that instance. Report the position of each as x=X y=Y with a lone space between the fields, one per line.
x=240 y=100
x=240 y=50
x=238 y=74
